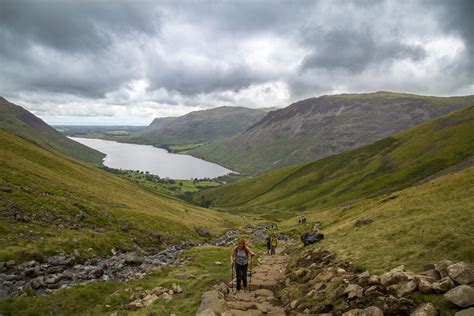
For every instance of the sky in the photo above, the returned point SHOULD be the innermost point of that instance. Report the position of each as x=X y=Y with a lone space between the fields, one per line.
x=117 y=62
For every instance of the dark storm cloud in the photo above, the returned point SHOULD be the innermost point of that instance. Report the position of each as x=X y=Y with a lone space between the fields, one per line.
x=354 y=51
x=76 y=26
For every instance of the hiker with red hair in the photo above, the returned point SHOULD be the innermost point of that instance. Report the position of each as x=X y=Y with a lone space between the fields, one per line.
x=240 y=257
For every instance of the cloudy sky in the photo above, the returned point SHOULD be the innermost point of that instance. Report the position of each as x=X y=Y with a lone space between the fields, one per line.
x=126 y=62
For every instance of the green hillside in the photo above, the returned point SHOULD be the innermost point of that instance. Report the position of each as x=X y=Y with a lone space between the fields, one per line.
x=51 y=203
x=424 y=223
x=320 y=127
x=384 y=166
x=198 y=127
x=20 y=122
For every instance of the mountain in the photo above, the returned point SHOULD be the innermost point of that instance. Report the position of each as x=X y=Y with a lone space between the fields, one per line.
x=24 y=124
x=199 y=126
x=50 y=203
x=387 y=165
x=319 y=127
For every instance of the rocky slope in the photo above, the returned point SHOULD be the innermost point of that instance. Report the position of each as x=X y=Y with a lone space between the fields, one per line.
x=199 y=126
x=24 y=124
x=318 y=127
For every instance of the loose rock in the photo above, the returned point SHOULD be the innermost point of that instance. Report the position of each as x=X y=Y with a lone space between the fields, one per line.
x=462 y=296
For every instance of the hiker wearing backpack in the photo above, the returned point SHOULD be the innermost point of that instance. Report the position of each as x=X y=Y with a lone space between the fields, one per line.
x=273 y=244
x=240 y=258
x=269 y=245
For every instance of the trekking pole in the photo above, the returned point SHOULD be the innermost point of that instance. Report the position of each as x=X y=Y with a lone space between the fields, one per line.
x=232 y=280
x=250 y=282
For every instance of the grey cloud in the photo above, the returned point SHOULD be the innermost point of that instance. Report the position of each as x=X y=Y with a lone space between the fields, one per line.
x=197 y=53
x=79 y=25
x=355 y=50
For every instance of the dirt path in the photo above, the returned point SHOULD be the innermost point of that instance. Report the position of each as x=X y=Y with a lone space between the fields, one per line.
x=261 y=300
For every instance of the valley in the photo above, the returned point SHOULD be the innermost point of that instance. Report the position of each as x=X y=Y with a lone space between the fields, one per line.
x=105 y=240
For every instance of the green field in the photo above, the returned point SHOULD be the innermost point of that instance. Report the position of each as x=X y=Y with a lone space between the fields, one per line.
x=170 y=187
x=385 y=166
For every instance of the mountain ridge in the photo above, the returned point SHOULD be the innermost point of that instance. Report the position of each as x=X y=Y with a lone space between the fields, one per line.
x=25 y=124
x=386 y=165
x=198 y=126
x=319 y=127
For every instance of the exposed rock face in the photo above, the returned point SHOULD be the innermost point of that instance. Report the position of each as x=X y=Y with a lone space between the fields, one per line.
x=426 y=309
x=461 y=272
x=462 y=296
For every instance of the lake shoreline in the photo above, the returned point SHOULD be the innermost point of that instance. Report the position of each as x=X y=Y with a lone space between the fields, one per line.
x=155 y=160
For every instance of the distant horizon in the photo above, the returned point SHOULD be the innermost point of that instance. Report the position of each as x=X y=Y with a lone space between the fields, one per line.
x=52 y=120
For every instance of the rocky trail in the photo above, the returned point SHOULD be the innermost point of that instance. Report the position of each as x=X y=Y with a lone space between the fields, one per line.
x=261 y=299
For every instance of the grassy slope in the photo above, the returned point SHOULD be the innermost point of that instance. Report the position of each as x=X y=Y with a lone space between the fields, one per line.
x=50 y=185
x=387 y=165
x=414 y=226
x=314 y=128
x=199 y=126
x=24 y=124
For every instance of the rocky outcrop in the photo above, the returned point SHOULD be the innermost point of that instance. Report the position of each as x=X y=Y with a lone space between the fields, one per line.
x=329 y=285
x=462 y=296
x=149 y=297
x=461 y=272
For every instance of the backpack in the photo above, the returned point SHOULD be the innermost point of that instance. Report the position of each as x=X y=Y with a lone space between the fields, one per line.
x=274 y=241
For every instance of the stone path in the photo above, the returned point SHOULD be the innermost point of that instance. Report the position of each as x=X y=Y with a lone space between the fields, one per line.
x=261 y=300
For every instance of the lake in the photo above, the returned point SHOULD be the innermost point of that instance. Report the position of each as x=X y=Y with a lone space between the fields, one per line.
x=157 y=161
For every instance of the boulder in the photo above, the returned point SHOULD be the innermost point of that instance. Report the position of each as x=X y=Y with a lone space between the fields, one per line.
x=461 y=272
x=433 y=274
x=442 y=267
x=462 y=296
x=425 y=284
x=374 y=280
x=353 y=291
x=425 y=309
x=369 y=311
x=407 y=288
x=264 y=293
x=465 y=312
x=397 y=306
x=443 y=285
x=394 y=276
x=212 y=303
x=176 y=288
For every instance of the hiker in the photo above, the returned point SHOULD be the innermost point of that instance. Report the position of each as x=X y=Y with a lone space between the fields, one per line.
x=268 y=244
x=240 y=258
x=273 y=244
